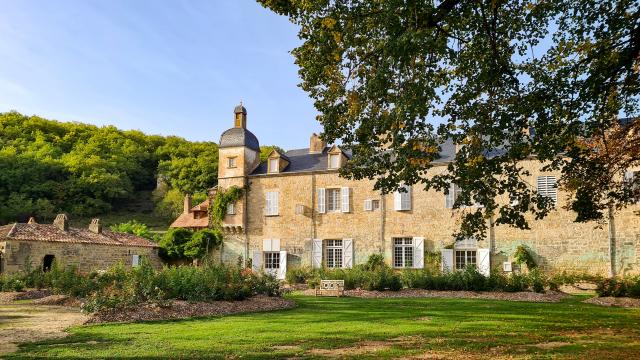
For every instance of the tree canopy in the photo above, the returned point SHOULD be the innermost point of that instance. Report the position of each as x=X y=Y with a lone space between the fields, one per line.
x=505 y=80
x=48 y=166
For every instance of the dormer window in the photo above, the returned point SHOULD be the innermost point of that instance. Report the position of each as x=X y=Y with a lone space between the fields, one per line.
x=274 y=166
x=231 y=162
x=334 y=161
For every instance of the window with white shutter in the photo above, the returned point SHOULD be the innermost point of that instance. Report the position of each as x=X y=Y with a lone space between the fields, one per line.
x=274 y=165
x=402 y=199
x=368 y=205
x=450 y=198
x=547 y=187
x=345 y=192
x=231 y=209
x=271 y=204
x=333 y=200
x=322 y=202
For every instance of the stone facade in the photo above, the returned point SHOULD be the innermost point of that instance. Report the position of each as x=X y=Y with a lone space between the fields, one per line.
x=86 y=257
x=557 y=242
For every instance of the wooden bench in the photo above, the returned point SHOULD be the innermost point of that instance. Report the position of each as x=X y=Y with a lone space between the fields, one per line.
x=330 y=288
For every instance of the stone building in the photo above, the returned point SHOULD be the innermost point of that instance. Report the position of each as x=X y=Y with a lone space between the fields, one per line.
x=89 y=249
x=297 y=211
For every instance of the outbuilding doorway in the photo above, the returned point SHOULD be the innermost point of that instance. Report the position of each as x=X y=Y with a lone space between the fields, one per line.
x=47 y=262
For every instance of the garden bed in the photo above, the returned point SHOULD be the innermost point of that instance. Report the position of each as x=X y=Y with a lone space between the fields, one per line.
x=11 y=296
x=550 y=296
x=626 y=302
x=178 y=309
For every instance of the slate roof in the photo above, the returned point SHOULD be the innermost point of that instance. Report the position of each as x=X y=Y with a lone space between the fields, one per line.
x=51 y=233
x=239 y=137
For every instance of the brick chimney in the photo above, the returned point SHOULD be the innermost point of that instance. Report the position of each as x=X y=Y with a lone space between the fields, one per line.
x=61 y=222
x=316 y=144
x=95 y=226
x=187 y=203
x=32 y=220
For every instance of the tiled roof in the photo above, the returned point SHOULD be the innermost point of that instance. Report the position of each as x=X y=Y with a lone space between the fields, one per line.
x=187 y=220
x=50 y=232
x=239 y=137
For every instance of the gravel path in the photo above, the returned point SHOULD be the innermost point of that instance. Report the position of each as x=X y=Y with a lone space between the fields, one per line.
x=21 y=323
x=549 y=296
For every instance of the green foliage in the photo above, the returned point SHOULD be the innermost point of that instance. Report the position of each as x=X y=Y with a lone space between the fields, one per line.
x=393 y=81
x=133 y=227
x=523 y=256
x=619 y=287
x=221 y=200
x=375 y=261
x=173 y=243
x=200 y=242
x=48 y=167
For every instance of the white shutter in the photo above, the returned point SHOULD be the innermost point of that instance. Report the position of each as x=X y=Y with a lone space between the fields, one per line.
x=397 y=201
x=135 y=260
x=275 y=244
x=450 y=198
x=418 y=252
x=345 y=199
x=316 y=253
x=547 y=187
x=347 y=253
x=274 y=203
x=484 y=262
x=256 y=262
x=405 y=198
x=282 y=270
x=266 y=245
x=322 y=203
x=447 y=260
x=368 y=205
x=267 y=205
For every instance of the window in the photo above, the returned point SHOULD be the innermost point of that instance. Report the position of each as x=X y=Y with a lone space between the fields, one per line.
x=547 y=187
x=271 y=260
x=231 y=162
x=632 y=182
x=402 y=199
x=135 y=260
x=403 y=252
x=375 y=205
x=333 y=253
x=271 y=204
x=231 y=209
x=47 y=262
x=334 y=161
x=274 y=165
x=333 y=199
x=465 y=258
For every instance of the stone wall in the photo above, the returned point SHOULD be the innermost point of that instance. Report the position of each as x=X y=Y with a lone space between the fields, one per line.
x=86 y=257
x=556 y=241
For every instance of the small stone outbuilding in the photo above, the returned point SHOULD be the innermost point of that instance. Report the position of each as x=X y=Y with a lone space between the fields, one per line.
x=89 y=249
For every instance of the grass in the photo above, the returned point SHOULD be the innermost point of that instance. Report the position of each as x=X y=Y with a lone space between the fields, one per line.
x=369 y=328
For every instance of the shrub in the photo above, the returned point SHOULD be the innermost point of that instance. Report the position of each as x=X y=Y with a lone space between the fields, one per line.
x=633 y=288
x=172 y=244
x=200 y=242
x=516 y=282
x=133 y=227
x=299 y=275
x=612 y=287
x=537 y=280
x=374 y=262
x=523 y=256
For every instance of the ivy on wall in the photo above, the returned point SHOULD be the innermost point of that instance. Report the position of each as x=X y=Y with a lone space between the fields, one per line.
x=220 y=202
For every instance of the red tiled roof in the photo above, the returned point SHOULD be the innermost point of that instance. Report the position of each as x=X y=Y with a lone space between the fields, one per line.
x=50 y=232
x=188 y=220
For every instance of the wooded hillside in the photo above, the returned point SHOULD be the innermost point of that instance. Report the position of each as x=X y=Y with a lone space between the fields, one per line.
x=48 y=167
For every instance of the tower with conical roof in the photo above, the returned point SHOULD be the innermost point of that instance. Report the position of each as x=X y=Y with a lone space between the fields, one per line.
x=238 y=156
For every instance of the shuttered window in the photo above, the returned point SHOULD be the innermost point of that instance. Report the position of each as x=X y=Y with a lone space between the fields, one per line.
x=334 y=161
x=333 y=253
x=333 y=199
x=271 y=260
x=231 y=209
x=274 y=165
x=402 y=199
x=547 y=187
x=271 y=204
x=403 y=252
x=465 y=258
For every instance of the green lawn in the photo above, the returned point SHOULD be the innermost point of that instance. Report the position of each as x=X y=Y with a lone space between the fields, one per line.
x=359 y=328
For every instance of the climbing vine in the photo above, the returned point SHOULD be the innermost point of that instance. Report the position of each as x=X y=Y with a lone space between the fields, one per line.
x=523 y=256
x=221 y=201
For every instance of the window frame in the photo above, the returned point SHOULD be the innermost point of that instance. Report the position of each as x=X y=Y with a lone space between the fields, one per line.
x=231 y=209
x=337 y=201
x=330 y=164
x=270 y=167
x=333 y=253
x=231 y=162
x=466 y=256
x=268 y=209
x=271 y=260
x=403 y=251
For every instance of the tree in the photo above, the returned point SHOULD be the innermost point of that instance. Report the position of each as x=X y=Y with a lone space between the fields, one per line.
x=133 y=227
x=173 y=243
x=201 y=243
x=396 y=80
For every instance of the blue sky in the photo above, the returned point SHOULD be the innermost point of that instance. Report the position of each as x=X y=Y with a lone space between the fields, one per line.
x=164 y=67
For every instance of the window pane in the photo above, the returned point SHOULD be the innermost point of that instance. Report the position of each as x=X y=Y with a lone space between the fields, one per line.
x=333 y=161
x=273 y=165
x=333 y=199
x=271 y=260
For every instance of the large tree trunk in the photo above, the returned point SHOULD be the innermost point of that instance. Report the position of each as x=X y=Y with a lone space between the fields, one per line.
x=612 y=244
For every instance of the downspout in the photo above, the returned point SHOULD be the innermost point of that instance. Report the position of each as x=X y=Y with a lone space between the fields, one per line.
x=612 y=243
x=382 y=222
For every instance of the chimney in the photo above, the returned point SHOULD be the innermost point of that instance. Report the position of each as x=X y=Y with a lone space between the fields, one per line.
x=61 y=222
x=95 y=226
x=316 y=144
x=187 y=203
x=32 y=220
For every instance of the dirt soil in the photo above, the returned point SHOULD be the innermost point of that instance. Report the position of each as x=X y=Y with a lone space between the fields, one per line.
x=182 y=309
x=613 y=301
x=9 y=297
x=20 y=323
x=549 y=296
